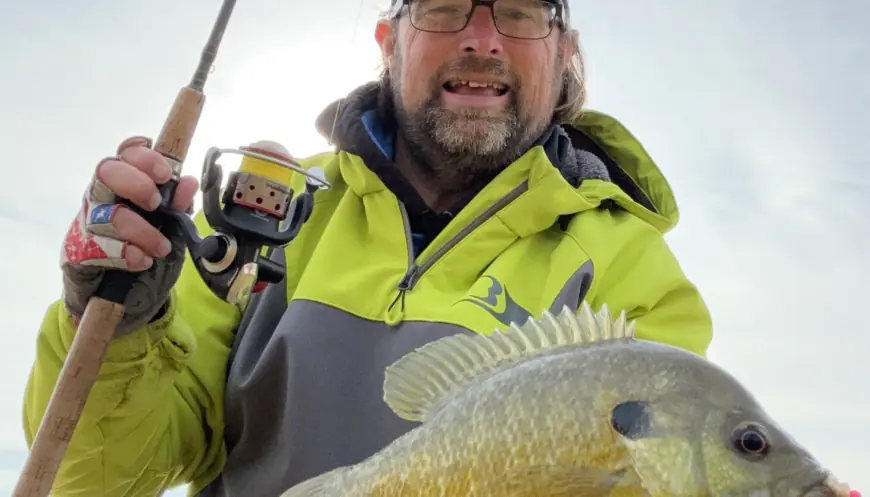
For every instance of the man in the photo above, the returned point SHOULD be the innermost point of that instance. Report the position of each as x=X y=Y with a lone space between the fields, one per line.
x=458 y=205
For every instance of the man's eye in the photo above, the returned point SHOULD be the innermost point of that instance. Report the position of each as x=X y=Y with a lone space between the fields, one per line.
x=515 y=14
x=447 y=9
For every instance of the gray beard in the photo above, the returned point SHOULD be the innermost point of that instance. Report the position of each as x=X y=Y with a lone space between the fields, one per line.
x=458 y=150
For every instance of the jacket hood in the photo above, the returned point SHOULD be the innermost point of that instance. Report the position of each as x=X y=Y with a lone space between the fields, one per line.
x=595 y=146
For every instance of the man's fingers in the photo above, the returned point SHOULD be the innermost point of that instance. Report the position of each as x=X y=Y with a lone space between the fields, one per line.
x=142 y=235
x=115 y=254
x=154 y=165
x=129 y=182
x=134 y=141
x=184 y=193
x=136 y=259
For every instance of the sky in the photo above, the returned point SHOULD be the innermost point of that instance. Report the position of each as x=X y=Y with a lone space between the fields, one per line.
x=753 y=110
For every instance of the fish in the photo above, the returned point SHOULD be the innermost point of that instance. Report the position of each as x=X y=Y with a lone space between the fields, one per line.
x=574 y=404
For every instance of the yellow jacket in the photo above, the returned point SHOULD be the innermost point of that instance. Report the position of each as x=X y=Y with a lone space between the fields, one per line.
x=248 y=407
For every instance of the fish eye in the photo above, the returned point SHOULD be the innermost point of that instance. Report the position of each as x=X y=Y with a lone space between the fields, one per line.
x=750 y=439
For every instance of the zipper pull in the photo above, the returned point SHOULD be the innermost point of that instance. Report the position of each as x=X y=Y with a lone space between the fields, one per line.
x=409 y=279
x=394 y=315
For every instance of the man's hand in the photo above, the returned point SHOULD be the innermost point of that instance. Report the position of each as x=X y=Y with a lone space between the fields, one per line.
x=106 y=234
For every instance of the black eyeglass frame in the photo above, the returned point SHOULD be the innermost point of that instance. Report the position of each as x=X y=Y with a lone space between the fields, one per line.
x=557 y=20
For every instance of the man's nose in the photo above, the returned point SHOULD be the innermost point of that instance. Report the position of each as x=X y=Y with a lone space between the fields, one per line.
x=481 y=36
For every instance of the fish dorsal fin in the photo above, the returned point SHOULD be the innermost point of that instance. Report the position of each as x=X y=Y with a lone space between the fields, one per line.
x=417 y=384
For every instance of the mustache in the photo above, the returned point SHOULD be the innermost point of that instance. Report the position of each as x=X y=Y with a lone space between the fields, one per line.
x=475 y=64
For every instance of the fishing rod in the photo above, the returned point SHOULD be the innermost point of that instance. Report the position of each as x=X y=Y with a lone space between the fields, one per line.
x=257 y=209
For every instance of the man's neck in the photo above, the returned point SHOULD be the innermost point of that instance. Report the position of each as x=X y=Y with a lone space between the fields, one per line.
x=435 y=197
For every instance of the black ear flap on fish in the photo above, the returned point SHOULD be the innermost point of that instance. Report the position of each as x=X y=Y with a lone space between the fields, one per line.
x=632 y=419
x=418 y=384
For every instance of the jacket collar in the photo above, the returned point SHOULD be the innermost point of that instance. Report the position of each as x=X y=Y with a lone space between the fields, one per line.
x=571 y=167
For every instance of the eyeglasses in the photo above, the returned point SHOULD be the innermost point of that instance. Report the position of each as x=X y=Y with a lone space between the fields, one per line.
x=524 y=19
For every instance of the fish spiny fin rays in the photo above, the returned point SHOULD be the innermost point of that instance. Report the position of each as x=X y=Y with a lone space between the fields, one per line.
x=417 y=384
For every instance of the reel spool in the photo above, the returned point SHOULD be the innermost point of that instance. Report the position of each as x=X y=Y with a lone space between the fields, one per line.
x=256 y=209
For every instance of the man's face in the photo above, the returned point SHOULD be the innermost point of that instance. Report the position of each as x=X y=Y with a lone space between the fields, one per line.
x=473 y=99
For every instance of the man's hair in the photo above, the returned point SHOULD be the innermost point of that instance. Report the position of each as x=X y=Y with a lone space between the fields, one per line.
x=572 y=98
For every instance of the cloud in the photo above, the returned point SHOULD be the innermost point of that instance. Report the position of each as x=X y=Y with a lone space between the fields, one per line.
x=755 y=112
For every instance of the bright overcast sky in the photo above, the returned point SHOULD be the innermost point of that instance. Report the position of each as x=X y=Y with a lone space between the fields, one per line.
x=754 y=109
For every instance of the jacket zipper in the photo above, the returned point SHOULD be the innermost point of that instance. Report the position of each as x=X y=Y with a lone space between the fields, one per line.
x=415 y=271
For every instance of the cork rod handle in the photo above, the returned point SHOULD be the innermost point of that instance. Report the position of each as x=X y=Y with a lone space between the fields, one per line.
x=178 y=129
x=70 y=395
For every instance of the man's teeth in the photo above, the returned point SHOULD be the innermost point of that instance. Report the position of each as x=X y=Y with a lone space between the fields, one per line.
x=478 y=84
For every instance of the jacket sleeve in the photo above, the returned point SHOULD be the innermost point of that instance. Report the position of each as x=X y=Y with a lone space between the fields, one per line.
x=154 y=418
x=643 y=278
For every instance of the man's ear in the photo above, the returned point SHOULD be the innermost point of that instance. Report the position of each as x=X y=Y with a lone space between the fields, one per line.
x=386 y=38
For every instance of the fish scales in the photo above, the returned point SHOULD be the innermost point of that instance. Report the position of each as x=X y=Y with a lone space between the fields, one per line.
x=469 y=450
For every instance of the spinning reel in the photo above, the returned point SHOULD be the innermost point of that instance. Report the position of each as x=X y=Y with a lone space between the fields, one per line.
x=255 y=210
